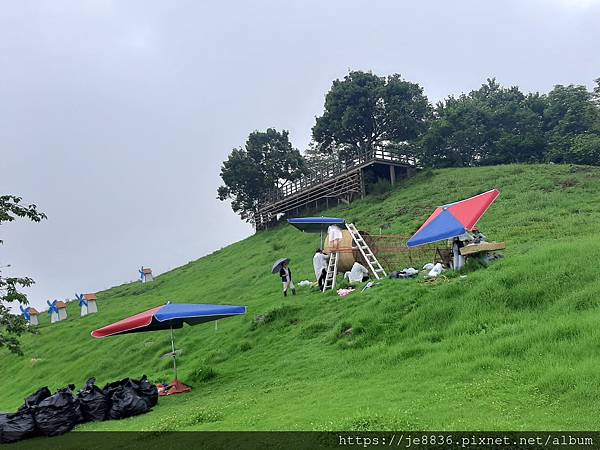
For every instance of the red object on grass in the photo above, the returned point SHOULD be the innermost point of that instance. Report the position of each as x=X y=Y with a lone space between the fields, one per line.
x=175 y=387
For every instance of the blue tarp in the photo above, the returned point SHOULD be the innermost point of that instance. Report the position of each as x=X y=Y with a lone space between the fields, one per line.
x=315 y=224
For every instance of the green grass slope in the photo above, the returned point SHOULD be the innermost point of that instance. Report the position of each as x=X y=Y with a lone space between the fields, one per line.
x=513 y=346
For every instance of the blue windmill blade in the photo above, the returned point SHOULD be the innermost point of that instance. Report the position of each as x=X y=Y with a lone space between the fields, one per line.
x=81 y=298
x=25 y=313
x=141 y=271
x=52 y=307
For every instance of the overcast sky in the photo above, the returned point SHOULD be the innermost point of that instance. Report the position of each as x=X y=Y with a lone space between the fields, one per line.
x=115 y=116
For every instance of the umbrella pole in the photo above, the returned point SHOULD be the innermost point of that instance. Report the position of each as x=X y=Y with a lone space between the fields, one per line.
x=174 y=354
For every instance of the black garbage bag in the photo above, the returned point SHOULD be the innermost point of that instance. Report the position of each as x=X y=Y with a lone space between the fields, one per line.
x=59 y=413
x=35 y=398
x=110 y=388
x=93 y=402
x=125 y=402
x=17 y=426
x=147 y=390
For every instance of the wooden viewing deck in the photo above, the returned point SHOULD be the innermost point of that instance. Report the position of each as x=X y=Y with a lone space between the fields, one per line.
x=338 y=182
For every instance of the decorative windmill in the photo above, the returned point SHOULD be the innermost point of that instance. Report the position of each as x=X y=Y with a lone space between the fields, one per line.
x=83 y=304
x=33 y=314
x=62 y=310
x=145 y=274
x=91 y=303
x=53 y=311
x=57 y=311
x=30 y=314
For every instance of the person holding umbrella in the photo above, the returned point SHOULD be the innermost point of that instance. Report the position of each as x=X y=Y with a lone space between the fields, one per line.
x=286 y=277
x=282 y=265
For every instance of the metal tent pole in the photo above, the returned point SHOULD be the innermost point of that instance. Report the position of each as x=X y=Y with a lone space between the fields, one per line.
x=173 y=350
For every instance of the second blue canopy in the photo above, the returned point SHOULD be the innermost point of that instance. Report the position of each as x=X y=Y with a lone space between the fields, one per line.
x=315 y=224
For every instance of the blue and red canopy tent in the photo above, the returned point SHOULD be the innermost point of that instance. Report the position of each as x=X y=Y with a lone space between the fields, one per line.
x=454 y=219
x=169 y=317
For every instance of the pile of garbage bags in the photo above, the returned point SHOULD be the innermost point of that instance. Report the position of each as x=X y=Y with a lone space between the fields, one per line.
x=44 y=414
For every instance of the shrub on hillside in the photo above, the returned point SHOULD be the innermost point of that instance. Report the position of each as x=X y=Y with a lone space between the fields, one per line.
x=203 y=374
x=284 y=314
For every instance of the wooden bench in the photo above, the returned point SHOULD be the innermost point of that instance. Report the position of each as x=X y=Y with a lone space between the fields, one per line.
x=473 y=249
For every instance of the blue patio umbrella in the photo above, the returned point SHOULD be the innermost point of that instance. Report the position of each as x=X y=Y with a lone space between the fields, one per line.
x=167 y=317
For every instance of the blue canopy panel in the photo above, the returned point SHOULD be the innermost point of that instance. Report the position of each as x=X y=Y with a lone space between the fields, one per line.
x=443 y=227
x=193 y=314
x=315 y=224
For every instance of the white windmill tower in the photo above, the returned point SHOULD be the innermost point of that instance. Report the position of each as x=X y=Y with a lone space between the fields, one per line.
x=92 y=307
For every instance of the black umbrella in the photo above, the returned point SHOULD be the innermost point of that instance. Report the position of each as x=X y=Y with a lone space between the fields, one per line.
x=278 y=264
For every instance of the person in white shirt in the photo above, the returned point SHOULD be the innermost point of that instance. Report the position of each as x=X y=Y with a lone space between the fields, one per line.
x=320 y=265
x=357 y=274
x=334 y=233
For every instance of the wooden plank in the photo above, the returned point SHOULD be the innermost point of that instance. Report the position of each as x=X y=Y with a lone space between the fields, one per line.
x=471 y=249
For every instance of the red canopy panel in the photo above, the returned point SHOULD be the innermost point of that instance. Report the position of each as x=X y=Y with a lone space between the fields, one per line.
x=140 y=320
x=469 y=211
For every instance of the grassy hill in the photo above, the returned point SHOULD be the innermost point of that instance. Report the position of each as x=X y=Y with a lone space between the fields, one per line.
x=514 y=346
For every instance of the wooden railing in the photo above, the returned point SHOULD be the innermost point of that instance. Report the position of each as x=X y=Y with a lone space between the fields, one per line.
x=329 y=171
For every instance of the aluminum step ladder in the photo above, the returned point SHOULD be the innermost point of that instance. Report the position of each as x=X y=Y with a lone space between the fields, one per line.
x=365 y=250
x=331 y=272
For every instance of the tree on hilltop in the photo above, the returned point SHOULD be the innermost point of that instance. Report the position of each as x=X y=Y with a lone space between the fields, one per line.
x=364 y=112
x=267 y=161
x=491 y=125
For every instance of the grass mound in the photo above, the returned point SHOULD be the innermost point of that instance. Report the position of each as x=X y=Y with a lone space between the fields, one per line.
x=510 y=346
